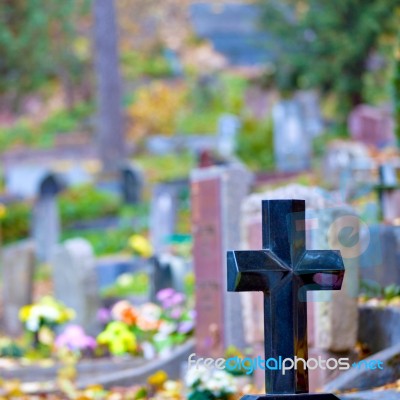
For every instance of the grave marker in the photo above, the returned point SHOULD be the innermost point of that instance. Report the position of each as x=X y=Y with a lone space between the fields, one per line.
x=217 y=194
x=18 y=264
x=75 y=281
x=131 y=185
x=292 y=144
x=46 y=220
x=228 y=128
x=284 y=271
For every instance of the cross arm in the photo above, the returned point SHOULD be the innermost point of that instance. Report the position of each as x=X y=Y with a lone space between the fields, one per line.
x=254 y=270
x=321 y=269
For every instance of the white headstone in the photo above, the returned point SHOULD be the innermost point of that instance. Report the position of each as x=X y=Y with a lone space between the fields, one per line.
x=228 y=128
x=292 y=144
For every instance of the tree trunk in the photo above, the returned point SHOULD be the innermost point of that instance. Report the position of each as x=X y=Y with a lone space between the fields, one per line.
x=110 y=129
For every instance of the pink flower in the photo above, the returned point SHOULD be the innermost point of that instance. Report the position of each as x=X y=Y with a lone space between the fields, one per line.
x=74 y=338
x=165 y=294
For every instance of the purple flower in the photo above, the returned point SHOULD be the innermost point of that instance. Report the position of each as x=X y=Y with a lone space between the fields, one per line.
x=165 y=294
x=74 y=338
x=185 y=327
x=104 y=315
x=177 y=298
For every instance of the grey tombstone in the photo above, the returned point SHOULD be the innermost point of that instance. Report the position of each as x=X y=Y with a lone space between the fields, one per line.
x=18 y=264
x=380 y=263
x=75 y=280
x=217 y=194
x=132 y=184
x=292 y=144
x=309 y=102
x=389 y=192
x=228 y=128
x=45 y=219
x=163 y=212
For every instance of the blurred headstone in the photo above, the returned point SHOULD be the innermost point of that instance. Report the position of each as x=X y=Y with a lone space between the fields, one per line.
x=380 y=263
x=18 y=265
x=75 y=281
x=341 y=159
x=217 y=194
x=292 y=144
x=389 y=192
x=161 y=276
x=46 y=219
x=163 y=212
x=132 y=184
x=228 y=128
x=309 y=102
x=372 y=126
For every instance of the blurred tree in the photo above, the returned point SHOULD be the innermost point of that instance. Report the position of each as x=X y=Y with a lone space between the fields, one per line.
x=110 y=127
x=396 y=89
x=36 y=43
x=328 y=44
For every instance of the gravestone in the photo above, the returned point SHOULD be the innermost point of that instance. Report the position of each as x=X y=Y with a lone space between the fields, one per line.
x=131 y=184
x=217 y=194
x=45 y=218
x=339 y=160
x=18 y=264
x=372 y=126
x=309 y=102
x=163 y=212
x=284 y=271
x=292 y=144
x=75 y=281
x=389 y=192
x=380 y=263
x=228 y=128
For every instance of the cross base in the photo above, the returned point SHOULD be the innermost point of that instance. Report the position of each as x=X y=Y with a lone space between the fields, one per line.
x=302 y=396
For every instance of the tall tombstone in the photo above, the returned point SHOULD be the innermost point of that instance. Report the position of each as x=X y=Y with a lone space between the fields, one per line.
x=131 y=184
x=75 y=280
x=292 y=143
x=110 y=128
x=217 y=195
x=45 y=217
x=228 y=129
x=18 y=265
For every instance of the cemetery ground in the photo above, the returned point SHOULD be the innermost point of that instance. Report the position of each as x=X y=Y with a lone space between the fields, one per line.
x=131 y=219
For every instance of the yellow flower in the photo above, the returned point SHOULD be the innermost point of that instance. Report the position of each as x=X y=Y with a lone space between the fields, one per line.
x=158 y=378
x=24 y=313
x=3 y=211
x=141 y=246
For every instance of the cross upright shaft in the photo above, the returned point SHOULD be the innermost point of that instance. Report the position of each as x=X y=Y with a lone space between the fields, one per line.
x=284 y=270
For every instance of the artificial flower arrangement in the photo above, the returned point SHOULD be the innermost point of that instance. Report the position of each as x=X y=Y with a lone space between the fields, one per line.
x=42 y=318
x=149 y=329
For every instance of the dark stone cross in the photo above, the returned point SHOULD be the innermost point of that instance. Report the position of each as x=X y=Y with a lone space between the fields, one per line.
x=284 y=271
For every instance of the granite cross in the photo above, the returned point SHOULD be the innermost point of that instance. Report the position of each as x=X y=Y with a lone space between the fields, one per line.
x=284 y=271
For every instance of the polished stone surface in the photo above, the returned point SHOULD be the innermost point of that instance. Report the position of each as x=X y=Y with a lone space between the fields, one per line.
x=284 y=271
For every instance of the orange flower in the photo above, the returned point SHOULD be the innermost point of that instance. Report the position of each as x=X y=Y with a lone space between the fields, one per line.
x=147 y=324
x=129 y=315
